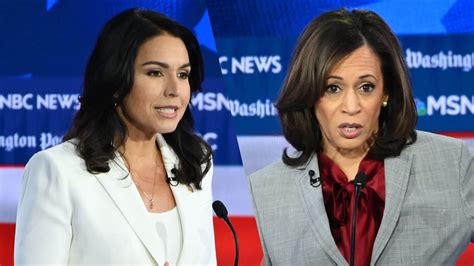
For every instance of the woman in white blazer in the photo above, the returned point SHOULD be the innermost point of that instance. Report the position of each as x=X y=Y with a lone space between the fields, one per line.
x=131 y=184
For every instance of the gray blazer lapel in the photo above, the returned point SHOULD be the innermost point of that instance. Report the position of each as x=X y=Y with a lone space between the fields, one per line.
x=126 y=197
x=312 y=197
x=397 y=173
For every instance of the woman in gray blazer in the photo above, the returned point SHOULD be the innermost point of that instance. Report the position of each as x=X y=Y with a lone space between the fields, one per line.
x=131 y=184
x=363 y=187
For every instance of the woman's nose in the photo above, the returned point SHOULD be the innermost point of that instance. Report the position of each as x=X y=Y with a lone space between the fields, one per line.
x=171 y=89
x=351 y=103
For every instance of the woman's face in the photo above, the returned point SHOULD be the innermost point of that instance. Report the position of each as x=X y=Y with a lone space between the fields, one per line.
x=161 y=91
x=349 y=110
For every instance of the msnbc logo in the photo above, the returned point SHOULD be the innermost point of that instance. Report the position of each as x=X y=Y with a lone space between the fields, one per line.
x=445 y=105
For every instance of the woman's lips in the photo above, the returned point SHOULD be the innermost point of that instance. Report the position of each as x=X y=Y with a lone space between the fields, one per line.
x=167 y=111
x=350 y=130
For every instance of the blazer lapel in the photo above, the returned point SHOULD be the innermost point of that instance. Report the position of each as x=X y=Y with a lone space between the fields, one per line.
x=126 y=197
x=190 y=206
x=397 y=173
x=312 y=198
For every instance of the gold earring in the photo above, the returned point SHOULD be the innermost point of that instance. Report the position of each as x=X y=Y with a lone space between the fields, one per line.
x=116 y=101
x=384 y=104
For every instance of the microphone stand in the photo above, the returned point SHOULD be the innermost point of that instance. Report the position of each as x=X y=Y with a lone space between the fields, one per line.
x=236 y=259
x=221 y=212
x=359 y=183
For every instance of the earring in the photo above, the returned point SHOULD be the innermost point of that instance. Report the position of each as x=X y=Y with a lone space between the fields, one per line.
x=384 y=104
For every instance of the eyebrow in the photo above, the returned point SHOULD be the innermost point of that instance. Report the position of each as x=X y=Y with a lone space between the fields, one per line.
x=164 y=65
x=361 y=77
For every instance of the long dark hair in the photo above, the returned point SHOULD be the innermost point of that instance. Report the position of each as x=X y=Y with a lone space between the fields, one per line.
x=324 y=42
x=108 y=79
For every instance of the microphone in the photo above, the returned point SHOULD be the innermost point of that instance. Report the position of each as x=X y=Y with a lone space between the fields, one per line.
x=221 y=212
x=172 y=180
x=359 y=183
x=314 y=181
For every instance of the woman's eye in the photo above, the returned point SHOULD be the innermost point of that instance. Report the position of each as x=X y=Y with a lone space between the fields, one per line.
x=331 y=89
x=367 y=88
x=154 y=73
x=183 y=75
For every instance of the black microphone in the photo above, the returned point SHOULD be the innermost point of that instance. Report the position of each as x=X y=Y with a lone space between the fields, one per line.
x=314 y=181
x=172 y=180
x=359 y=183
x=221 y=212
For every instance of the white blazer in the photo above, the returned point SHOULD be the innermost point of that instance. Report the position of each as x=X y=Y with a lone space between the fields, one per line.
x=68 y=216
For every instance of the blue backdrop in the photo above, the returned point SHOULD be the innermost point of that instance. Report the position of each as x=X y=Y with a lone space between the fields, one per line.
x=45 y=46
x=437 y=39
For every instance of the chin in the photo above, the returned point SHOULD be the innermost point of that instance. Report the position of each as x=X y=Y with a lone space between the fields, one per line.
x=350 y=144
x=165 y=130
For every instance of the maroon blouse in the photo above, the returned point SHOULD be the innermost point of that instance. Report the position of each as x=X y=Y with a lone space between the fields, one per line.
x=339 y=195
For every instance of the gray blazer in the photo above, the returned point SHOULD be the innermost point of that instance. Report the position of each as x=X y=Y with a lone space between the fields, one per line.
x=428 y=217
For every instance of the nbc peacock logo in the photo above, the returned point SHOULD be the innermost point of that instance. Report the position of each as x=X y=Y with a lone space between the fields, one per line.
x=420 y=107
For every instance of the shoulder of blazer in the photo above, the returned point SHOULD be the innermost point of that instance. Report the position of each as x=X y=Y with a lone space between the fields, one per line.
x=275 y=171
x=277 y=177
x=60 y=156
x=429 y=144
x=279 y=170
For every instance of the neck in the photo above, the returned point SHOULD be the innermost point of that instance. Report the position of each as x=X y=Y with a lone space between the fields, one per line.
x=347 y=160
x=140 y=147
x=143 y=157
x=137 y=142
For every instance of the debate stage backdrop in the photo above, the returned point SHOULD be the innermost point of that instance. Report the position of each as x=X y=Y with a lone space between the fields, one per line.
x=255 y=40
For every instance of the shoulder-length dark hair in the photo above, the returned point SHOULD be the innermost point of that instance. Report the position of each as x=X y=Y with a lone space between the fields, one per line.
x=108 y=79
x=324 y=42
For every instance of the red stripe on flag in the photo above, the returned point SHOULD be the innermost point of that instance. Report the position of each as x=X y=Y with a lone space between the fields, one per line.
x=459 y=135
x=7 y=238
x=249 y=241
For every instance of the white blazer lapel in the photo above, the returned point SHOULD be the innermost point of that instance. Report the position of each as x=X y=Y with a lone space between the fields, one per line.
x=192 y=211
x=194 y=207
x=123 y=192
